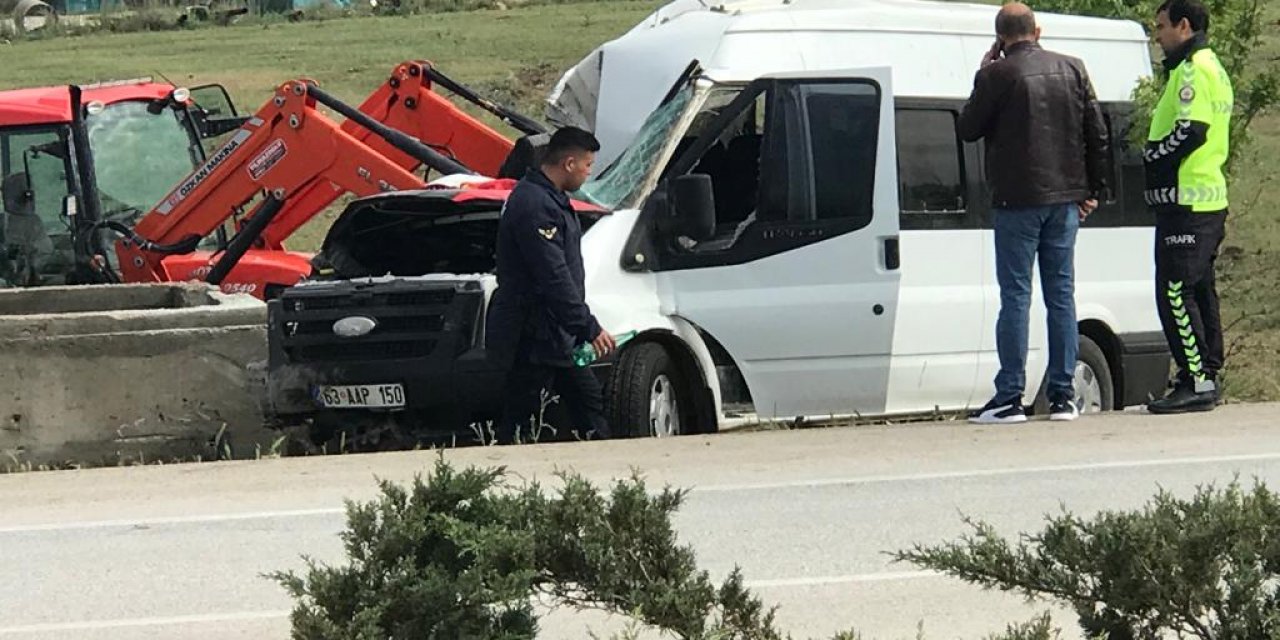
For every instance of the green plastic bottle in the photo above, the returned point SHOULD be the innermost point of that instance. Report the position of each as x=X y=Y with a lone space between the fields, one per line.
x=584 y=354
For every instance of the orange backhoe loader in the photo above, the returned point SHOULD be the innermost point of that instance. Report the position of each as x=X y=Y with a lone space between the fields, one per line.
x=407 y=103
x=87 y=161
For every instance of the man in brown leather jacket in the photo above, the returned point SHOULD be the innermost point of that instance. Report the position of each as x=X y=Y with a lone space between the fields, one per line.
x=1047 y=164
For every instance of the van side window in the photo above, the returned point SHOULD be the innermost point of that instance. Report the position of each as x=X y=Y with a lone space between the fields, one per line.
x=791 y=163
x=1129 y=208
x=843 y=126
x=1116 y=147
x=734 y=164
x=931 y=175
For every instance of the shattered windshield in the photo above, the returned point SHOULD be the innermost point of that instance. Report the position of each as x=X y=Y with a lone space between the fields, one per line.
x=139 y=156
x=624 y=182
x=618 y=185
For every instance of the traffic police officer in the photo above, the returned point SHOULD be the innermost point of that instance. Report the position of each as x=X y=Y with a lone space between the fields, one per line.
x=539 y=314
x=1186 y=187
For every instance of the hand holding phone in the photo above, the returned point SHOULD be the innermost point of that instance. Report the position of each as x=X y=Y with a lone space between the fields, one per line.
x=994 y=53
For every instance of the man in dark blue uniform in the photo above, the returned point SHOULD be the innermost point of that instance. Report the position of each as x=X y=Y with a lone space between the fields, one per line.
x=539 y=314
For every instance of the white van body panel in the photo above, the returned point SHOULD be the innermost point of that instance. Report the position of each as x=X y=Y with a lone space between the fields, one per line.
x=777 y=325
x=942 y=322
x=933 y=47
x=623 y=301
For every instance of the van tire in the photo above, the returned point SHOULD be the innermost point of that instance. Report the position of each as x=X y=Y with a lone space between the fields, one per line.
x=1094 y=360
x=646 y=379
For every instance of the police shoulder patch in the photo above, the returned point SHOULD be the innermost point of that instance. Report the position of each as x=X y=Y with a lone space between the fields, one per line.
x=1187 y=94
x=548 y=233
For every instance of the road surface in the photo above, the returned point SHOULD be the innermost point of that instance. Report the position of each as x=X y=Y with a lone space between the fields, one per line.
x=179 y=550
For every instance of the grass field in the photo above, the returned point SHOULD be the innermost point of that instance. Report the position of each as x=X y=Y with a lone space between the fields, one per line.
x=1250 y=262
x=350 y=57
x=512 y=56
x=515 y=55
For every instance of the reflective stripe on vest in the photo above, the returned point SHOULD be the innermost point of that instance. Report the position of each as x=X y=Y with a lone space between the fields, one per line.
x=1197 y=90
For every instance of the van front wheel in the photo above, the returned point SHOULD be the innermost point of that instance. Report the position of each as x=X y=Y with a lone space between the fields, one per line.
x=1095 y=390
x=648 y=396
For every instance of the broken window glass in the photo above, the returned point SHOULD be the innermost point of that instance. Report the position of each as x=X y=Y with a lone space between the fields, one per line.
x=620 y=184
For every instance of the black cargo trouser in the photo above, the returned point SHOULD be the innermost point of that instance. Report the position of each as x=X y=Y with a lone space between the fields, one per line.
x=522 y=408
x=1186 y=289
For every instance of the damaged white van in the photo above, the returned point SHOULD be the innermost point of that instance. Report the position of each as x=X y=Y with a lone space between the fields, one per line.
x=796 y=230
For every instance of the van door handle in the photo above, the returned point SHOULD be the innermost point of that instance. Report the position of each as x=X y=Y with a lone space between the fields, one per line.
x=892 y=256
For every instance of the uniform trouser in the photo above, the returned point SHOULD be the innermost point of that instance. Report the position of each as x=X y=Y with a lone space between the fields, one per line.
x=522 y=410
x=1186 y=290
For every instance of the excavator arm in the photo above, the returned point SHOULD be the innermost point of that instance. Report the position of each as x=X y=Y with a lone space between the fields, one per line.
x=287 y=150
x=407 y=103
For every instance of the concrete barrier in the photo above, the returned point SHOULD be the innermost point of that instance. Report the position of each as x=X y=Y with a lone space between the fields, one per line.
x=107 y=375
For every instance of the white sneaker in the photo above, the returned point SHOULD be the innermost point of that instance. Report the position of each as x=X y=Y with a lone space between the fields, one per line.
x=1000 y=412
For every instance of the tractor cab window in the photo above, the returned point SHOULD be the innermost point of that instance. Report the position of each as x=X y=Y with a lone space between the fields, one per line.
x=139 y=155
x=35 y=239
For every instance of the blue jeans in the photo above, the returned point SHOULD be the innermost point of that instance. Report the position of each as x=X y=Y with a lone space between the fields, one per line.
x=1020 y=235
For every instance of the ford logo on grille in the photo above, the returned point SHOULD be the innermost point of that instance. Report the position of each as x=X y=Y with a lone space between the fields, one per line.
x=354 y=326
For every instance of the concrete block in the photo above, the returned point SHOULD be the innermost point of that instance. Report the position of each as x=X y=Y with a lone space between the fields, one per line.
x=115 y=374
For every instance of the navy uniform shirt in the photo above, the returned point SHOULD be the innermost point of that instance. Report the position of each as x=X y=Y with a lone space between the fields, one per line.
x=539 y=311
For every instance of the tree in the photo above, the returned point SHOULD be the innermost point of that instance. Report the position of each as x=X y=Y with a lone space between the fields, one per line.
x=1236 y=29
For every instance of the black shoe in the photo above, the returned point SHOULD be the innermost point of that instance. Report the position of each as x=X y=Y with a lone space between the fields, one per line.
x=1063 y=410
x=999 y=411
x=1184 y=398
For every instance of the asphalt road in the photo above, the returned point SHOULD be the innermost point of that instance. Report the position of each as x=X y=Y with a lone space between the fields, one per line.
x=179 y=551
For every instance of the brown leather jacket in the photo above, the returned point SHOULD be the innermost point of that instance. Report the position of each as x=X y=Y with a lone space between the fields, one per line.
x=1046 y=140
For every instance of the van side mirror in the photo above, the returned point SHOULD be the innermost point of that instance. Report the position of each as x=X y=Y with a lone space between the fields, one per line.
x=694 y=206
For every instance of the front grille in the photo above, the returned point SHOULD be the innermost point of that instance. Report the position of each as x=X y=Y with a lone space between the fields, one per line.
x=386 y=325
x=420 y=298
x=362 y=299
x=414 y=320
x=350 y=351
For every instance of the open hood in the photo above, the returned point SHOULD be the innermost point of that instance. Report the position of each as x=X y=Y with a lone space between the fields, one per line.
x=415 y=233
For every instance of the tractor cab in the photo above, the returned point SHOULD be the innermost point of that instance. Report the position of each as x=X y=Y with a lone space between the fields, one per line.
x=73 y=158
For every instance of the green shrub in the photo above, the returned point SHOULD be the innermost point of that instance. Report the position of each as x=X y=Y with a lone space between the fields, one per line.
x=1040 y=628
x=1207 y=567
x=461 y=554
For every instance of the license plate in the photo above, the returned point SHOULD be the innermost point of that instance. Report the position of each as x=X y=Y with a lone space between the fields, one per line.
x=360 y=396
